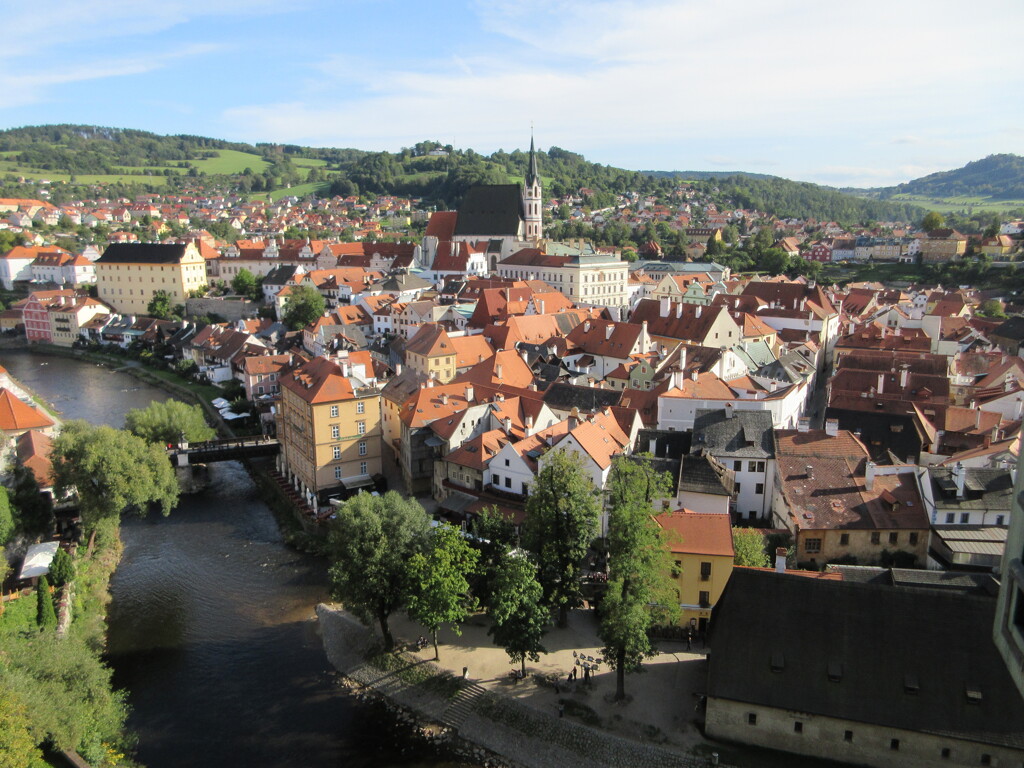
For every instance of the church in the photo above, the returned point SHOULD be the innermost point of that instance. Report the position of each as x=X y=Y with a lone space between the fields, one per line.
x=493 y=222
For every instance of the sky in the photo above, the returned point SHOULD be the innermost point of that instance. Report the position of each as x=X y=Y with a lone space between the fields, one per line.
x=871 y=93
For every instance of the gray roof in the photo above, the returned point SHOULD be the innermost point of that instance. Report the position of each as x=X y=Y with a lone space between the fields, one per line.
x=984 y=489
x=864 y=652
x=961 y=581
x=697 y=475
x=747 y=434
x=565 y=397
x=490 y=209
x=143 y=253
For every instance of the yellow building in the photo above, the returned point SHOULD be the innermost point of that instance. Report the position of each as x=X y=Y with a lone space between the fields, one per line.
x=434 y=353
x=129 y=274
x=702 y=554
x=329 y=426
x=69 y=315
x=943 y=245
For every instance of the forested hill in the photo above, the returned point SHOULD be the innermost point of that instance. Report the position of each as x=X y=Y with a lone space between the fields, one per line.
x=138 y=160
x=1000 y=177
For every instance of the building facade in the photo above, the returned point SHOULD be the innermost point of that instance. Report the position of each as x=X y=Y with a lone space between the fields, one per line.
x=128 y=275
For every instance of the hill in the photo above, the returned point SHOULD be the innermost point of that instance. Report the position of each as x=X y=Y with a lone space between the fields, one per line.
x=129 y=161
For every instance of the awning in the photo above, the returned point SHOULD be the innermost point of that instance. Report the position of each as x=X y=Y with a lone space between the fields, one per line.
x=38 y=559
x=457 y=502
x=359 y=481
x=219 y=403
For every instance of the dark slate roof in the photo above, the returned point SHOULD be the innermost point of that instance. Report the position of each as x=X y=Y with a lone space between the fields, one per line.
x=905 y=658
x=963 y=582
x=280 y=275
x=1011 y=329
x=490 y=209
x=143 y=253
x=984 y=489
x=746 y=434
x=565 y=397
x=697 y=475
x=663 y=443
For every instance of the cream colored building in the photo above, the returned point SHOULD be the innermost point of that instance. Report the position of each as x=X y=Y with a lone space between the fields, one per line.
x=67 y=317
x=129 y=274
x=583 y=276
x=329 y=428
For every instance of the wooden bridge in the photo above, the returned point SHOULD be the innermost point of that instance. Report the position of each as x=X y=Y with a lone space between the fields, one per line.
x=223 y=450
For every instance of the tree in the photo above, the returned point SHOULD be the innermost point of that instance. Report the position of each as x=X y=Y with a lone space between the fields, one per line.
x=305 y=305
x=167 y=422
x=160 y=305
x=774 y=261
x=112 y=471
x=561 y=520
x=244 y=283
x=20 y=748
x=992 y=308
x=515 y=606
x=748 y=544
x=33 y=510
x=638 y=595
x=6 y=517
x=932 y=220
x=46 y=617
x=441 y=591
x=370 y=545
x=62 y=569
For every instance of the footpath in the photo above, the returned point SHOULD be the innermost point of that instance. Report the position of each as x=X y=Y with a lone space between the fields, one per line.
x=531 y=723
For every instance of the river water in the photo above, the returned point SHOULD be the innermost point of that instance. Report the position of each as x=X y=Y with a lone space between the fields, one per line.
x=211 y=624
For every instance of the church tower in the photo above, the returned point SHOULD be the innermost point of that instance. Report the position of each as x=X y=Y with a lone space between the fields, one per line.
x=532 y=202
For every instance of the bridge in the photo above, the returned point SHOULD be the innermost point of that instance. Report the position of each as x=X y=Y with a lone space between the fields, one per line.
x=228 y=449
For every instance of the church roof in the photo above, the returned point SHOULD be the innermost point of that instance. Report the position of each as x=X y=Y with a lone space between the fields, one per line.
x=490 y=209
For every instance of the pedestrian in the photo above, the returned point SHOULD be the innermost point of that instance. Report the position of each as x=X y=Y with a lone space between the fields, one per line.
x=557 y=691
x=561 y=709
x=465 y=673
x=689 y=640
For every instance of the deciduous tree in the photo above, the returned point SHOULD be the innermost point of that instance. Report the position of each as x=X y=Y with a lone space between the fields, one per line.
x=20 y=750
x=244 y=283
x=112 y=471
x=748 y=544
x=371 y=544
x=33 y=511
x=305 y=305
x=638 y=594
x=932 y=220
x=561 y=522
x=160 y=305
x=6 y=517
x=168 y=421
x=516 y=608
x=440 y=593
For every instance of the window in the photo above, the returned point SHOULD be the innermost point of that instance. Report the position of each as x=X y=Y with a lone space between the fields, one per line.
x=844 y=539
x=950 y=518
x=705 y=599
x=337 y=473
x=737 y=466
x=751 y=718
x=705 y=571
x=894 y=538
x=848 y=736
x=760 y=466
x=508 y=482
x=495 y=480
x=894 y=745
x=945 y=753
x=759 y=489
x=363 y=468
x=798 y=727
x=360 y=407
x=751 y=466
x=913 y=538
x=999 y=519
x=334 y=411
x=337 y=451
x=362 y=448
x=812 y=545
x=361 y=427
x=335 y=431
x=506 y=462
x=736 y=487
x=876 y=537
x=964 y=517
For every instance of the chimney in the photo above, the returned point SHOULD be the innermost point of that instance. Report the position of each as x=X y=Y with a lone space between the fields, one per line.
x=780 y=560
x=869 y=476
x=574 y=418
x=679 y=310
x=977 y=418
x=469 y=393
x=809 y=471
x=529 y=425
x=586 y=326
x=525 y=357
x=665 y=306
x=444 y=398
x=881 y=382
x=831 y=427
x=609 y=330
x=959 y=476
x=507 y=425
x=904 y=375
x=695 y=374
x=803 y=424
x=696 y=311
x=497 y=371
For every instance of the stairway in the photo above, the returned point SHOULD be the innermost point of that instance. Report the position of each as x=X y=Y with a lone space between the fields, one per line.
x=462 y=705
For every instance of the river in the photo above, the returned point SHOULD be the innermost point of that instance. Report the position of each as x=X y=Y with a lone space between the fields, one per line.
x=211 y=628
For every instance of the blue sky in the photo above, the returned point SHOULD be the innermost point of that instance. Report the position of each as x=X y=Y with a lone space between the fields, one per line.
x=869 y=93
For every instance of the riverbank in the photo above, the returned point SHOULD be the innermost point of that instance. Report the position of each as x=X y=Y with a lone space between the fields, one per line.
x=516 y=724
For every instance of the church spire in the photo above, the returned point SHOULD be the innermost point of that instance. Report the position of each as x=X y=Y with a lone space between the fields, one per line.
x=531 y=175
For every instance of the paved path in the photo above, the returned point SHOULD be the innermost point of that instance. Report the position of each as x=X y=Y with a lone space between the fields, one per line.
x=520 y=721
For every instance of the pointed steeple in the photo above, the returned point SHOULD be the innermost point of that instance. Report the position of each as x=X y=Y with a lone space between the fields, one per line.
x=531 y=175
